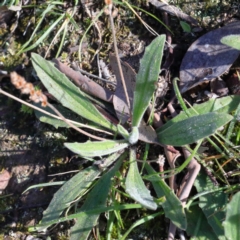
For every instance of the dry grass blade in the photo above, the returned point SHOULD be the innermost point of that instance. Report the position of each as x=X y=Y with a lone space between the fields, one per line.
x=116 y=52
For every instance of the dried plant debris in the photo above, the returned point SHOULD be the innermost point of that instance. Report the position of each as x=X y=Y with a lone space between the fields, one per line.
x=207 y=58
x=164 y=6
x=119 y=99
x=233 y=83
x=5 y=16
x=4 y=179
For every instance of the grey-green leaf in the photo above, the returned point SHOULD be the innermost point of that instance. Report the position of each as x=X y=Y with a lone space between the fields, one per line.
x=73 y=189
x=212 y=204
x=232 y=222
x=66 y=92
x=221 y=105
x=198 y=227
x=135 y=186
x=134 y=135
x=232 y=40
x=57 y=122
x=192 y=129
x=123 y=131
x=94 y=149
x=185 y=26
x=146 y=78
x=172 y=206
x=96 y=199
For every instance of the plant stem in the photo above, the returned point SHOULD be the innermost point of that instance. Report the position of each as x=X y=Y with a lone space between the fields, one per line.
x=67 y=121
x=117 y=56
x=73 y=126
x=179 y=96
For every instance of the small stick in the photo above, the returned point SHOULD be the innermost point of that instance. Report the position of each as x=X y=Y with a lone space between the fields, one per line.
x=109 y=3
x=169 y=57
x=73 y=126
x=164 y=6
x=37 y=96
x=48 y=113
x=193 y=170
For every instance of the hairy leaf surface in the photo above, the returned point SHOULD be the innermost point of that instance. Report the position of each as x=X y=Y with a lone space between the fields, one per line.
x=96 y=198
x=232 y=222
x=192 y=129
x=135 y=186
x=66 y=92
x=221 y=105
x=172 y=206
x=212 y=204
x=146 y=78
x=94 y=149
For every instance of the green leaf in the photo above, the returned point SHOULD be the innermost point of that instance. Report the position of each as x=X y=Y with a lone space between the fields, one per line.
x=96 y=198
x=142 y=221
x=232 y=40
x=220 y=105
x=54 y=121
x=66 y=92
x=172 y=206
x=232 y=222
x=42 y=185
x=94 y=149
x=83 y=213
x=44 y=35
x=192 y=129
x=146 y=78
x=135 y=186
x=73 y=189
x=70 y=115
x=185 y=26
x=198 y=227
x=123 y=132
x=212 y=204
x=133 y=136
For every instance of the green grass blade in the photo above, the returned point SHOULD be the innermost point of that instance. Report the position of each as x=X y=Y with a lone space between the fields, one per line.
x=41 y=185
x=139 y=222
x=40 y=40
x=48 y=9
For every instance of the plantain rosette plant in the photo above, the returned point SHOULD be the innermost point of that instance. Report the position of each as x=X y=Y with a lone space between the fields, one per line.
x=95 y=181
